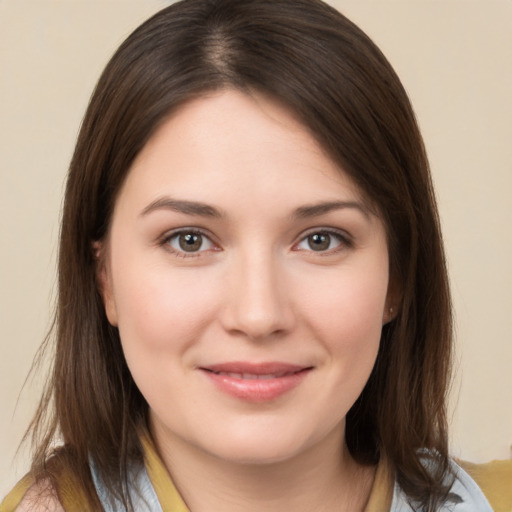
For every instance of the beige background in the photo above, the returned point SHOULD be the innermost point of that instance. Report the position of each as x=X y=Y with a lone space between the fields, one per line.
x=455 y=59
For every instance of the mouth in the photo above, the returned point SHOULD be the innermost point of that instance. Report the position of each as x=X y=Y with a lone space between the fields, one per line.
x=260 y=382
x=254 y=376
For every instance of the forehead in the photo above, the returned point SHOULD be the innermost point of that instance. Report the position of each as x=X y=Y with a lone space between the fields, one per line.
x=229 y=145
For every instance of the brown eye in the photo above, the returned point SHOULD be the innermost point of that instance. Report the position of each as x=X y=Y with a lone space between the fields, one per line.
x=323 y=241
x=189 y=242
x=319 y=241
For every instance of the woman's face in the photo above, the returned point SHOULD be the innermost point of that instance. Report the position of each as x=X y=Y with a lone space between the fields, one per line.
x=248 y=279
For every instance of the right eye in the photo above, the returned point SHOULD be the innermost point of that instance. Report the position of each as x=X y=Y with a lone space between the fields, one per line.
x=188 y=243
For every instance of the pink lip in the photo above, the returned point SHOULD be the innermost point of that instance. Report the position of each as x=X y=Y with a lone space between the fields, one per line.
x=255 y=382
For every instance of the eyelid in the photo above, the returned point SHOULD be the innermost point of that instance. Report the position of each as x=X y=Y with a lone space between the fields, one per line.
x=168 y=236
x=346 y=240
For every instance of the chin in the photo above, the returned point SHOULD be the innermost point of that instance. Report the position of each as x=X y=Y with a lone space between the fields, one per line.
x=261 y=447
x=257 y=455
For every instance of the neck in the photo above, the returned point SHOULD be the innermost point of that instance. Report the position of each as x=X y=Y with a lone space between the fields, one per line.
x=323 y=478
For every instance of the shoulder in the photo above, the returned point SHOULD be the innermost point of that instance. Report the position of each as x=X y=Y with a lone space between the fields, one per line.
x=495 y=480
x=57 y=492
x=32 y=497
x=472 y=487
x=40 y=497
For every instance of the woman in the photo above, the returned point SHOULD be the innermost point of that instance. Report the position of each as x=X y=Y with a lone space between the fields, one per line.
x=253 y=304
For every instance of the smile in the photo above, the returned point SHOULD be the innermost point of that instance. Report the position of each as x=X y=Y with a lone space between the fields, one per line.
x=255 y=382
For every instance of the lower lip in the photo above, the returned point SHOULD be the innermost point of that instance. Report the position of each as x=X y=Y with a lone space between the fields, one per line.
x=257 y=390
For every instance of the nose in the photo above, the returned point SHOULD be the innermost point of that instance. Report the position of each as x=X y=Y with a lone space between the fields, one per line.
x=257 y=303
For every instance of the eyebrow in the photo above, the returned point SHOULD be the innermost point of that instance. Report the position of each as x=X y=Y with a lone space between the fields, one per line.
x=180 y=206
x=315 y=210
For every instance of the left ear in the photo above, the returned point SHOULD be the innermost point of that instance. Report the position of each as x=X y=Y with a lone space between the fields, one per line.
x=393 y=303
x=104 y=281
x=389 y=315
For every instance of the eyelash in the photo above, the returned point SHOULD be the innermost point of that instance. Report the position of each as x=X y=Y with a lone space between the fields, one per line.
x=345 y=241
x=166 y=241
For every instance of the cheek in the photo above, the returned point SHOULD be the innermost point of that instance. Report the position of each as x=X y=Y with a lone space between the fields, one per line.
x=161 y=310
x=346 y=313
x=161 y=315
x=348 y=300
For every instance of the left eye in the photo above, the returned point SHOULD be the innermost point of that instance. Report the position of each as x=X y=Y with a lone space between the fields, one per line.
x=189 y=242
x=320 y=241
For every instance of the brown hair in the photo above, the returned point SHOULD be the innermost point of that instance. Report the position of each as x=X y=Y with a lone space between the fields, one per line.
x=330 y=74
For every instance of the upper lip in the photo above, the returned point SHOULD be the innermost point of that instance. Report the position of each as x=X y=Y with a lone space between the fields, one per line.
x=265 y=368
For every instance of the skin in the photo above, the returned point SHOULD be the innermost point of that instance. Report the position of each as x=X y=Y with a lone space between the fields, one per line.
x=255 y=288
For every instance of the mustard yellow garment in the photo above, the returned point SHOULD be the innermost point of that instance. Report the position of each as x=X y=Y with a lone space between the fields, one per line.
x=70 y=494
x=494 y=478
x=168 y=496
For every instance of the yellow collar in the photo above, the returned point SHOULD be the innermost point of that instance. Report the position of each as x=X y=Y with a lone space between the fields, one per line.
x=168 y=496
